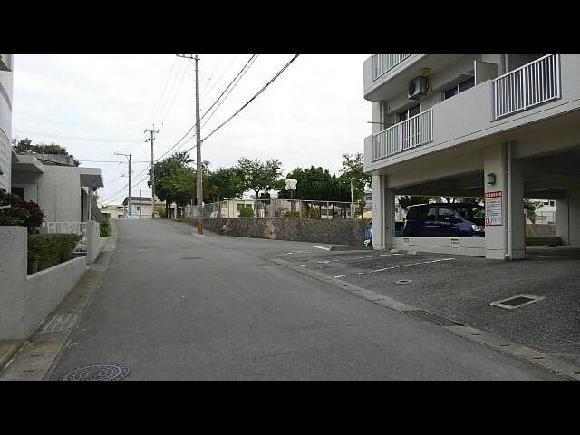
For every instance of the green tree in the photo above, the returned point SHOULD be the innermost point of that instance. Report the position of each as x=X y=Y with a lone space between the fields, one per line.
x=164 y=190
x=407 y=201
x=259 y=176
x=317 y=184
x=530 y=209
x=225 y=183
x=352 y=169
x=26 y=146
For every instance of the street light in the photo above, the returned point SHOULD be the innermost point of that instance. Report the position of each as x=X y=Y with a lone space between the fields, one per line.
x=291 y=186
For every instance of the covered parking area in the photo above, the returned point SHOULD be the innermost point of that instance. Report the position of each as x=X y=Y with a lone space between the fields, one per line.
x=541 y=160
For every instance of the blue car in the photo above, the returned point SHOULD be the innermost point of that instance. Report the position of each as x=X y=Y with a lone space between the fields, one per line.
x=445 y=220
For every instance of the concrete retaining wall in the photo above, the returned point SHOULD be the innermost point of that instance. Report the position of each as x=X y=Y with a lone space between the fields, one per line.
x=25 y=301
x=541 y=230
x=330 y=231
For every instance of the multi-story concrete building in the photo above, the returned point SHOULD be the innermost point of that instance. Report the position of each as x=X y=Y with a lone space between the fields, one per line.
x=6 y=85
x=499 y=126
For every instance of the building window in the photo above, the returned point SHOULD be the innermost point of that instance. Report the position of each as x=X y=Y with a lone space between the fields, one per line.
x=458 y=87
x=408 y=113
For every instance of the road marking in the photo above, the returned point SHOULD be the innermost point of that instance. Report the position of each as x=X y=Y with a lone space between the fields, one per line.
x=323 y=262
x=427 y=262
x=338 y=276
x=322 y=247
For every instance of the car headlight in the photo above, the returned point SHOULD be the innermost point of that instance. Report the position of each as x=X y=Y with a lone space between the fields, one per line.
x=477 y=228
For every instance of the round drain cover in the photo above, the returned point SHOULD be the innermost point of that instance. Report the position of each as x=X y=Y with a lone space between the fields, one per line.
x=99 y=372
x=403 y=281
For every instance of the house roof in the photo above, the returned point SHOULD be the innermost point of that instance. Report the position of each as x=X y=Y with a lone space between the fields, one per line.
x=137 y=199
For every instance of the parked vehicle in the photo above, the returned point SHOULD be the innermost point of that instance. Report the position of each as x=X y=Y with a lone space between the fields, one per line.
x=445 y=220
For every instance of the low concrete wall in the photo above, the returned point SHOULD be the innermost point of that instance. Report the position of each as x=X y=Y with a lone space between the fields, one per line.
x=330 y=231
x=45 y=290
x=472 y=246
x=25 y=301
x=541 y=230
x=93 y=241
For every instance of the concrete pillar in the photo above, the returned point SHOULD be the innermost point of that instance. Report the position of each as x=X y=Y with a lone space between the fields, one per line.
x=13 y=261
x=504 y=237
x=383 y=213
x=93 y=234
x=574 y=217
x=562 y=222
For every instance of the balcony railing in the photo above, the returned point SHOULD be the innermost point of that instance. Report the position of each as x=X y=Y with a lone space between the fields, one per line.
x=411 y=133
x=529 y=85
x=385 y=62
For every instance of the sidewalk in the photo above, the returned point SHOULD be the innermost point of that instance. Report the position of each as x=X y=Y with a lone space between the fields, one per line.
x=462 y=288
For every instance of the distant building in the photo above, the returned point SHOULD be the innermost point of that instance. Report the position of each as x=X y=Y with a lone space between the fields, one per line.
x=64 y=193
x=112 y=211
x=140 y=206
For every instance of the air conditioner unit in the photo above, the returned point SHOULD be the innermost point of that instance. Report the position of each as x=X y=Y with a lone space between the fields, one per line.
x=418 y=87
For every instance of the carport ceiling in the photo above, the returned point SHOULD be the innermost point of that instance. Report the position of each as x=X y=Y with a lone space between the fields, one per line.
x=467 y=185
x=548 y=176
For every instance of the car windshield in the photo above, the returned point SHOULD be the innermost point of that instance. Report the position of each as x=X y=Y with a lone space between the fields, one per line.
x=471 y=212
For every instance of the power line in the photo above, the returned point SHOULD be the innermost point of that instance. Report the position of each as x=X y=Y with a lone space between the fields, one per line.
x=157 y=107
x=233 y=82
x=272 y=80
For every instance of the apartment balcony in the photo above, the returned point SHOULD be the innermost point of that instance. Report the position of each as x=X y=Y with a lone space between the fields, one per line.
x=385 y=75
x=537 y=91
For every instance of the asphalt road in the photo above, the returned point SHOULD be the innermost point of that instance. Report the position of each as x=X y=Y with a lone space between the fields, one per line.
x=177 y=306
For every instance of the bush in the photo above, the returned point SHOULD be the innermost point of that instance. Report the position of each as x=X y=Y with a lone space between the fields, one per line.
x=247 y=212
x=105 y=228
x=292 y=214
x=47 y=250
x=21 y=213
x=161 y=211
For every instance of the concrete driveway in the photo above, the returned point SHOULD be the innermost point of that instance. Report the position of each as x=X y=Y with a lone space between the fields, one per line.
x=462 y=289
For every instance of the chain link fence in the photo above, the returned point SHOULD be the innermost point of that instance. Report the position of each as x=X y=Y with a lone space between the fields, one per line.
x=277 y=208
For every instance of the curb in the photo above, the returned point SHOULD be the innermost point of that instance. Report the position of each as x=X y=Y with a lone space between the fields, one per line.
x=36 y=357
x=498 y=343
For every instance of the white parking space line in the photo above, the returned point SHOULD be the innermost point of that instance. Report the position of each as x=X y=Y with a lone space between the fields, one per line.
x=427 y=262
x=338 y=276
x=323 y=262
x=322 y=247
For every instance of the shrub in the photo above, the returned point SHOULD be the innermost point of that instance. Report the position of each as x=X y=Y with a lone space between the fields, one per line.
x=161 y=211
x=47 y=250
x=247 y=212
x=21 y=213
x=292 y=214
x=105 y=228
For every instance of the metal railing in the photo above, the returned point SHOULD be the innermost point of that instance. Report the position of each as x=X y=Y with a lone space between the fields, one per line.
x=385 y=62
x=276 y=208
x=79 y=228
x=529 y=85
x=411 y=133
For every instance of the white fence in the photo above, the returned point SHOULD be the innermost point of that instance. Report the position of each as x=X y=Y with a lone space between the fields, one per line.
x=411 y=133
x=79 y=228
x=529 y=85
x=385 y=62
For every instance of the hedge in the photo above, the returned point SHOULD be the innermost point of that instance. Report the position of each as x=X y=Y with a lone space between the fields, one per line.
x=105 y=228
x=47 y=250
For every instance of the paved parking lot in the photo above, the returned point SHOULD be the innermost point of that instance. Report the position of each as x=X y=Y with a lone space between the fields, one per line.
x=462 y=289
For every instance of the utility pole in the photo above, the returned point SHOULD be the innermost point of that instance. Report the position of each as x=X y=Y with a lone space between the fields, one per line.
x=129 y=157
x=199 y=163
x=152 y=139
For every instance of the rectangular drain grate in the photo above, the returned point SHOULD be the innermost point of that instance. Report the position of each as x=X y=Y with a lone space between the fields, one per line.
x=59 y=323
x=436 y=319
x=517 y=301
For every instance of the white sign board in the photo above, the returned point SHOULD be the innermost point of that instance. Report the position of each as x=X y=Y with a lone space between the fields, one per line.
x=493 y=209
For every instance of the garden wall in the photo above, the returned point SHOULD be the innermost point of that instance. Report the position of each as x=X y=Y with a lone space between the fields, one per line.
x=328 y=231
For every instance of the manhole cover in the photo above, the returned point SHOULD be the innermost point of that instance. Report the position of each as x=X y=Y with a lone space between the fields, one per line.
x=517 y=301
x=99 y=372
x=403 y=282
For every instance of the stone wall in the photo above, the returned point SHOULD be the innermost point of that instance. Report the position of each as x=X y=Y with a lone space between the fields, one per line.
x=328 y=231
x=540 y=230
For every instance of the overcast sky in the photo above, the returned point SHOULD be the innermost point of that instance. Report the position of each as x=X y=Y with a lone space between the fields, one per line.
x=96 y=105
